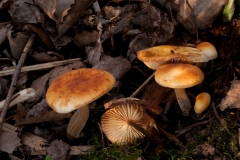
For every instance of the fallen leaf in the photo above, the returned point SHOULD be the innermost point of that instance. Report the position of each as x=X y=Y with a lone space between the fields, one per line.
x=117 y=66
x=141 y=41
x=232 y=98
x=9 y=141
x=55 y=9
x=200 y=14
x=37 y=109
x=24 y=11
x=74 y=13
x=58 y=150
x=3 y=32
x=85 y=38
x=43 y=57
x=93 y=53
x=17 y=42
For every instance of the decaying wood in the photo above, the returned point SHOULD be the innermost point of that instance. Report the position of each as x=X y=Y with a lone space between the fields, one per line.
x=15 y=78
x=40 y=66
x=39 y=145
x=34 y=142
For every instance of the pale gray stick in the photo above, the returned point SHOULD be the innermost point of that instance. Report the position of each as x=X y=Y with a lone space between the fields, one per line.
x=39 y=66
x=143 y=85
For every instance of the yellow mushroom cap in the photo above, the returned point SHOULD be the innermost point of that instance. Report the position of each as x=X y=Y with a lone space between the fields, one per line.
x=78 y=88
x=178 y=75
x=208 y=49
x=155 y=56
x=202 y=102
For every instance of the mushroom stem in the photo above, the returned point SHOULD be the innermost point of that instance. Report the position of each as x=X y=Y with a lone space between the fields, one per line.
x=149 y=135
x=77 y=122
x=19 y=97
x=183 y=100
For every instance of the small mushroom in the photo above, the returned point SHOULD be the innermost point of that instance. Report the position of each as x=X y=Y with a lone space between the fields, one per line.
x=155 y=56
x=75 y=90
x=202 y=102
x=179 y=76
x=126 y=121
x=209 y=50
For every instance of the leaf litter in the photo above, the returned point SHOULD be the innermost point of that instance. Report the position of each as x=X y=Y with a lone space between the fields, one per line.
x=107 y=36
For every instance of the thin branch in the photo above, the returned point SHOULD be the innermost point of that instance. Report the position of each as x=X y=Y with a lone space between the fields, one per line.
x=184 y=130
x=15 y=78
x=40 y=66
x=143 y=85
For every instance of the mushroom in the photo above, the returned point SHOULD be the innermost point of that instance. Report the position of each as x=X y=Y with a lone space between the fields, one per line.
x=19 y=97
x=179 y=76
x=209 y=50
x=75 y=90
x=126 y=121
x=202 y=102
x=155 y=56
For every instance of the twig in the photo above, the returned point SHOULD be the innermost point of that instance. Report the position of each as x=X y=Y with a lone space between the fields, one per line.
x=215 y=113
x=39 y=66
x=15 y=78
x=143 y=85
x=184 y=130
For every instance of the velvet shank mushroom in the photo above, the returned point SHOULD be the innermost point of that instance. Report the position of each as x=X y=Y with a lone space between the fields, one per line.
x=155 y=56
x=179 y=76
x=75 y=90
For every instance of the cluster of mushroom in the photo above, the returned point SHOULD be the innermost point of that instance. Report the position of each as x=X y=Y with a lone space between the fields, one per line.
x=181 y=75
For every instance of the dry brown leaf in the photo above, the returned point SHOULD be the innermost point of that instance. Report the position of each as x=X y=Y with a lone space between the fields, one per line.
x=43 y=57
x=123 y=26
x=74 y=13
x=9 y=141
x=232 y=98
x=4 y=86
x=39 y=85
x=117 y=66
x=55 y=9
x=62 y=41
x=141 y=41
x=3 y=32
x=201 y=13
x=93 y=53
x=58 y=150
x=85 y=38
x=37 y=109
x=24 y=11
x=42 y=34
x=17 y=42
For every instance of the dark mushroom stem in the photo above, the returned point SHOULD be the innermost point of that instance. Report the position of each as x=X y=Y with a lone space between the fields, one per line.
x=150 y=136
